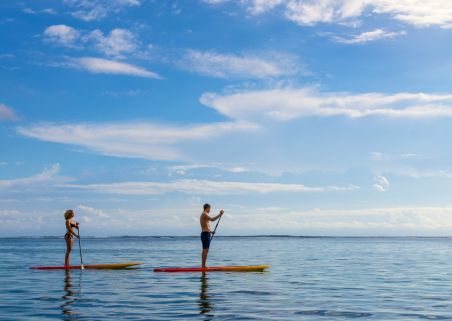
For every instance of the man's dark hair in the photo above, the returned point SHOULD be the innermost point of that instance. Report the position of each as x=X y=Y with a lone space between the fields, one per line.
x=206 y=206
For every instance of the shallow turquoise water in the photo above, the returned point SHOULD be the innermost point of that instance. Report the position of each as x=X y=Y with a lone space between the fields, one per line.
x=310 y=279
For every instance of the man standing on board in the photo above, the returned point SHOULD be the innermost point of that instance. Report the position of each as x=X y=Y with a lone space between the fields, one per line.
x=206 y=233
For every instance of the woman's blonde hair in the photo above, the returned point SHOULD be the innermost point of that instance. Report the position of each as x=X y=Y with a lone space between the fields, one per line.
x=68 y=214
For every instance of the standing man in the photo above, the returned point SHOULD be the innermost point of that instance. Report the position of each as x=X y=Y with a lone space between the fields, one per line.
x=206 y=233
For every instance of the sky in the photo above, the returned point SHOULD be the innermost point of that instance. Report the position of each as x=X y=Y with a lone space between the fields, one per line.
x=297 y=117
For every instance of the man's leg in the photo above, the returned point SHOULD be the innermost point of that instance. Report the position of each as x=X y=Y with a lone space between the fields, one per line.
x=205 y=252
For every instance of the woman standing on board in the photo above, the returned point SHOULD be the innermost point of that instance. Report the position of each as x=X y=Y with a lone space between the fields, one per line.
x=69 y=236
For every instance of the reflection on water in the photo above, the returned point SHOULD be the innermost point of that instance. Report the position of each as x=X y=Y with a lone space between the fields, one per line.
x=205 y=302
x=70 y=297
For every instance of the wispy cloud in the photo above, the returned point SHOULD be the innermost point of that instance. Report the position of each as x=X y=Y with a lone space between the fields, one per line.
x=253 y=6
x=220 y=65
x=291 y=103
x=115 y=44
x=311 y=12
x=186 y=168
x=249 y=220
x=46 y=10
x=407 y=220
x=127 y=92
x=88 y=213
x=378 y=156
x=47 y=176
x=420 y=174
x=105 y=66
x=7 y=113
x=381 y=183
x=141 y=140
x=7 y=56
x=204 y=187
x=90 y=10
x=19 y=220
x=368 y=36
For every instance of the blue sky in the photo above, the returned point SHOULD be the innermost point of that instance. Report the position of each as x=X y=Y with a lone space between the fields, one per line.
x=295 y=116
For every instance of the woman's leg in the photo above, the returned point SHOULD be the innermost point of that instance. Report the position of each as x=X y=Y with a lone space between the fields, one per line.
x=69 y=244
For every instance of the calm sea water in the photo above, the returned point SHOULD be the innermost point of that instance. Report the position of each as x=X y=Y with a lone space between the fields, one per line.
x=310 y=279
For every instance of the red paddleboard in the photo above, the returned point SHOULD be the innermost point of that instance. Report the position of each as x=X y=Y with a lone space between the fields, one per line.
x=90 y=266
x=246 y=268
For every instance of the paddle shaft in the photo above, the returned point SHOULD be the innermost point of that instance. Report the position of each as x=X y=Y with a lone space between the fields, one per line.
x=213 y=234
x=80 y=248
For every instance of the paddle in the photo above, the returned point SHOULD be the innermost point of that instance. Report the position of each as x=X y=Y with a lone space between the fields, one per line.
x=80 y=248
x=218 y=222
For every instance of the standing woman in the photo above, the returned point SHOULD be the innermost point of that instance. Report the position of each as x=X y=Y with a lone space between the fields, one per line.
x=69 y=236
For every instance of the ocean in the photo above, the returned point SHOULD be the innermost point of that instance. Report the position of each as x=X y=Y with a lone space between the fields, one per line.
x=314 y=278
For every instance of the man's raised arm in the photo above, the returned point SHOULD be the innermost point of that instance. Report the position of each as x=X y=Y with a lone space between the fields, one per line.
x=216 y=217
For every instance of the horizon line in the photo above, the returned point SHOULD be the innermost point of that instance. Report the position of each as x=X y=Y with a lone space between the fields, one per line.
x=229 y=236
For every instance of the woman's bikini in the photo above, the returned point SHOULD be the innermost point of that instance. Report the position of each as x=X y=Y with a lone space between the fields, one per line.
x=68 y=234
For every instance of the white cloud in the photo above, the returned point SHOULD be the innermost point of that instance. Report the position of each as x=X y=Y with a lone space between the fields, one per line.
x=91 y=211
x=253 y=6
x=381 y=183
x=237 y=169
x=362 y=221
x=422 y=220
x=127 y=92
x=11 y=219
x=7 y=113
x=47 y=177
x=411 y=156
x=116 y=43
x=290 y=103
x=204 y=187
x=89 y=10
x=261 y=6
x=310 y=12
x=62 y=35
x=414 y=12
x=242 y=220
x=185 y=168
x=376 y=155
x=141 y=140
x=219 y=65
x=46 y=10
x=105 y=66
x=369 y=36
x=29 y=11
x=214 y=1
x=7 y=56
x=415 y=173
x=49 y=11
